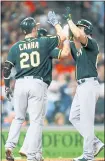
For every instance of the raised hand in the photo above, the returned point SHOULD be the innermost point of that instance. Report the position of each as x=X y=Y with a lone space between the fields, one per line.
x=67 y=14
x=52 y=18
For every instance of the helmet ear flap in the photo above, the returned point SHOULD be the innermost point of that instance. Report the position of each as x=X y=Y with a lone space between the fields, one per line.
x=87 y=31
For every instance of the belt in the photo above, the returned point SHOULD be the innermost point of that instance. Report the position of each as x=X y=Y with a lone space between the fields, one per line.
x=80 y=81
x=32 y=77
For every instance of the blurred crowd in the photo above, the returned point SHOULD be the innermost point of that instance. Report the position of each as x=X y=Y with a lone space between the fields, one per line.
x=63 y=87
x=94 y=10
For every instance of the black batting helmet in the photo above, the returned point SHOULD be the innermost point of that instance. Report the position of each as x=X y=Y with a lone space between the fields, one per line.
x=28 y=24
x=87 y=24
x=42 y=32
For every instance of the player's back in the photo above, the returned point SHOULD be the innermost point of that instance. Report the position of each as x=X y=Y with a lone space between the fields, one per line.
x=30 y=55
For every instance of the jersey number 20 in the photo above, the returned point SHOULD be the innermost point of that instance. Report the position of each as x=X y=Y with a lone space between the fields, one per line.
x=25 y=57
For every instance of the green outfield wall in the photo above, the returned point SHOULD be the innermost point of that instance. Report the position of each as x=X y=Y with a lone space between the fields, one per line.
x=65 y=144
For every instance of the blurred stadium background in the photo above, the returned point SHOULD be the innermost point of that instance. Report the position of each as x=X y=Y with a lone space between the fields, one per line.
x=63 y=86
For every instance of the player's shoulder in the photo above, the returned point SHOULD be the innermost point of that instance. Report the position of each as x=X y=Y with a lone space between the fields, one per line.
x=47 y=38
x=94 y=42
x=49 y=35
x=14 y=46
x=52 y=37
x=92 y=39
x=43 y=40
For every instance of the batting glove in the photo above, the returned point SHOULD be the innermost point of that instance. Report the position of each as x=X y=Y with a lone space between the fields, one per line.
x=52 y=18
x=67 y=14
x=8 y=92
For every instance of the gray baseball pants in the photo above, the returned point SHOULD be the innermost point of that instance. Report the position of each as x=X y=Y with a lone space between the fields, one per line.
x=28 y=94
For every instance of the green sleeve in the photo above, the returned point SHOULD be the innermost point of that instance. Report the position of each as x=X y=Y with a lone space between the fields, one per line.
x=73 y=50
x=11 y=57
x=92 y=44
x=53 y=42
x=55 y=53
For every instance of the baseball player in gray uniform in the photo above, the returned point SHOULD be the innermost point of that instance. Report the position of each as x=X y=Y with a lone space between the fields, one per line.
x=84 y=50
x=47 y=77
x=29 y=56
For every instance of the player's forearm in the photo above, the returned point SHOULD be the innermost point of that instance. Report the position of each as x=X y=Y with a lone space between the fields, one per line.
x=52 y=19
x=60 y=32
x=58 y=28
x=7 y=72
x=74 y=29
x=78 y=34
x=66 y=49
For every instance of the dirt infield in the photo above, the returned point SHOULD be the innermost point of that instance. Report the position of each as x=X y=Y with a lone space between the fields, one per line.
x=59 y=159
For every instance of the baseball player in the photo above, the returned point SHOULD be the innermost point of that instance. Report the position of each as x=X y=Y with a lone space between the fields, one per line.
x=84 y=50
x=29 y=57
x=47 y=77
